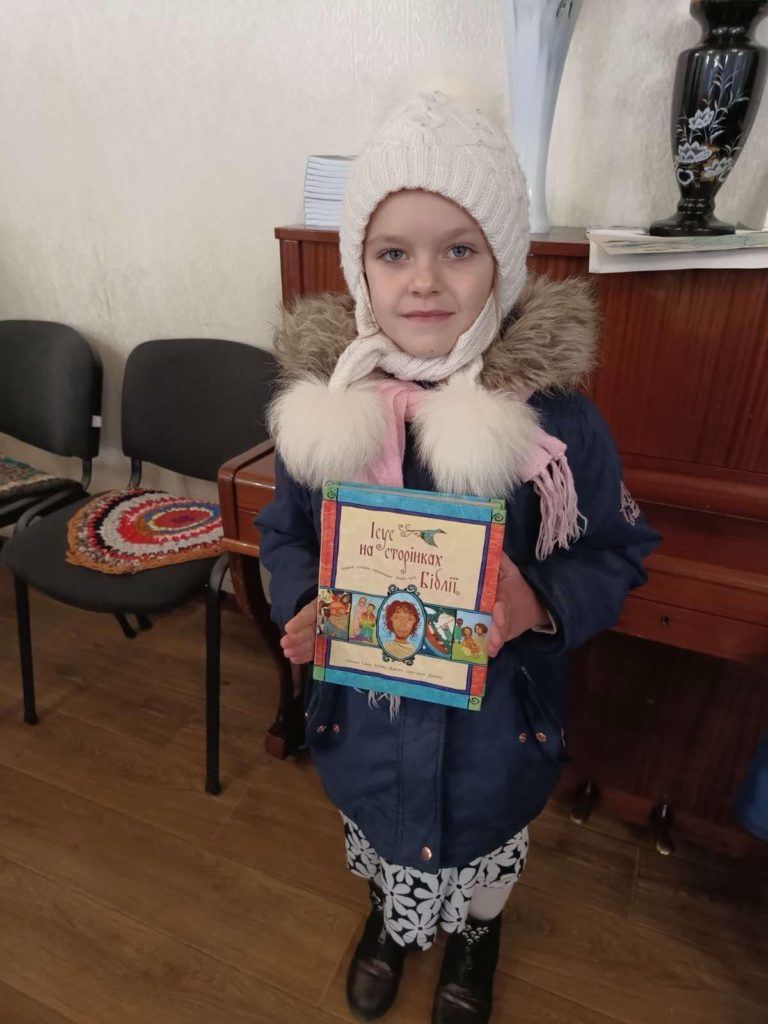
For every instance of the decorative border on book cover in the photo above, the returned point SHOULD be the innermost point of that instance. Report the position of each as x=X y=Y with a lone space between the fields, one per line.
x=425 y=638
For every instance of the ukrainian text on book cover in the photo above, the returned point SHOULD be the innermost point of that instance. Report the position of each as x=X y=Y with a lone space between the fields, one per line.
x=406 y=590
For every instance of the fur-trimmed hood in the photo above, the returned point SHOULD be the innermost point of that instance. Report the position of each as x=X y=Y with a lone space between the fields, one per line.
x=475 y=436
x=547 y=345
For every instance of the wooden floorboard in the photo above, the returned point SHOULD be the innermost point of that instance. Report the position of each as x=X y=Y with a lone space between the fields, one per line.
x=18 y=1008
x=630 y=973
x=695 y=901
x=121 y=772
x=577 y=864
x=129 y=895
x=248 y=918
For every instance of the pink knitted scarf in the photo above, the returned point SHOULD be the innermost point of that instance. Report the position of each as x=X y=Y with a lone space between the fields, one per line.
x=546 y=467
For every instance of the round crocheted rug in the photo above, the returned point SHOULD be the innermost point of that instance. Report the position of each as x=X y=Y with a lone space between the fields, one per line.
x=129 y=531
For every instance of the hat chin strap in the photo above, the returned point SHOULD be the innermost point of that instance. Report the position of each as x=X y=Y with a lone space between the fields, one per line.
x=373 y=350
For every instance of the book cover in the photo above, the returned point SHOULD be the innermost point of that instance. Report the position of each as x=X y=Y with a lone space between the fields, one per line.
x=407 y=585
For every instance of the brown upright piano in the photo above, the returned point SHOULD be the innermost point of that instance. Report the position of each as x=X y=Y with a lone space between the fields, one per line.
x=667 y=707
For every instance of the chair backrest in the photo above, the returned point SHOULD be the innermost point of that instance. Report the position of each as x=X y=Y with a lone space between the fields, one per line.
x=50 y=387
x=190 y=404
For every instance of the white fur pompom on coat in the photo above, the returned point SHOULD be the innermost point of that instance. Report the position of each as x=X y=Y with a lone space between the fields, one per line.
x=474 y=441
x=326 y=434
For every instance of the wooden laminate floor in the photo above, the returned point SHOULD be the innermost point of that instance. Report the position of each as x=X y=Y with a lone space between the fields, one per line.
x=129 y=896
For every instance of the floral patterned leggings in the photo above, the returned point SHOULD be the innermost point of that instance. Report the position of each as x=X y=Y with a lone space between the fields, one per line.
x=416 y=902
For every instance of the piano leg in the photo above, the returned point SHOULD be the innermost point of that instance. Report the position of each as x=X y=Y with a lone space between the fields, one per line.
x=286 y=734
x=584 y=799
x=660 y=823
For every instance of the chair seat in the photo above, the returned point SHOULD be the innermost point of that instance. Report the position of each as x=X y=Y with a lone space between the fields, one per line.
x=12 y=508
x=38 y=556
x=19 y=479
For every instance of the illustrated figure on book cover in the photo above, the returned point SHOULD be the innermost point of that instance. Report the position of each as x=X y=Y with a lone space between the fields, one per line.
x=401 y=626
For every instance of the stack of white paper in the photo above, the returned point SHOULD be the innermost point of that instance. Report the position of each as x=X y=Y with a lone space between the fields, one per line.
x=623 y=250
x=324 y=185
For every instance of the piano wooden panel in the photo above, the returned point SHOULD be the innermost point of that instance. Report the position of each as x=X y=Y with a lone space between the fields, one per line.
x=669 y=705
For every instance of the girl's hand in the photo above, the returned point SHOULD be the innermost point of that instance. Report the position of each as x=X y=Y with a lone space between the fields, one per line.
x=299 y=641
x=517 y=607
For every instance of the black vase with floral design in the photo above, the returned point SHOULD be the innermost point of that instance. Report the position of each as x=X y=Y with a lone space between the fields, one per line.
x=717 y=91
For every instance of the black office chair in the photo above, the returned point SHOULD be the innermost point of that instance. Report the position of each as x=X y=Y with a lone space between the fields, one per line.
x=50 y=396
x=188 y=405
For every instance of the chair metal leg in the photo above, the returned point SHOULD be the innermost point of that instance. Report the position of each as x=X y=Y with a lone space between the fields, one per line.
x=25 y=651
x=124 y=624
x=285 y=737
x=213 y=674
x=143 y=620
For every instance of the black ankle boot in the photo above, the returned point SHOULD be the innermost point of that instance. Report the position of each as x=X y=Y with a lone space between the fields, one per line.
x=465 y=991
x=377 y=966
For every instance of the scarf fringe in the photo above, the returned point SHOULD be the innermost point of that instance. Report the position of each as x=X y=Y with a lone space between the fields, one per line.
x=561 y=521
x=629 y=507
x=375 y=699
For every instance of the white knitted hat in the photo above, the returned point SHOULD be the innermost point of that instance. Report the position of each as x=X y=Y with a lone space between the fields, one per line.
x=437 y=145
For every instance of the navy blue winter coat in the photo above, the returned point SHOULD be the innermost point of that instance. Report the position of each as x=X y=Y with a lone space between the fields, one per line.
x=435 y=787
x=752 y=798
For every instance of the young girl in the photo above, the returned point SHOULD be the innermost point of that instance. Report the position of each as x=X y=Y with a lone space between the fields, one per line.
x=451 y=372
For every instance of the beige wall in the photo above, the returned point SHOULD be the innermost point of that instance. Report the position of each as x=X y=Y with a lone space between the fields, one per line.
x=150 y=146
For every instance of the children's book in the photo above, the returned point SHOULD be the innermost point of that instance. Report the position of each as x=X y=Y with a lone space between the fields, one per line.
x=406 y=590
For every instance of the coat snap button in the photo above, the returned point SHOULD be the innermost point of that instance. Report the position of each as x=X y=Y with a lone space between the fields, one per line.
x=523 y=737
x=321 y=728
x=540 y=736
x=426 y=853
x=336 y=728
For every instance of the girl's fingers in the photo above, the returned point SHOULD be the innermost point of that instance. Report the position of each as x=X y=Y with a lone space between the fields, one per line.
x=495 y=639
x=300 y=656
x=496 y=634
x=291 y=643
x=298 y=647
x=303 y=619
x=493 y=645
x=298 y=643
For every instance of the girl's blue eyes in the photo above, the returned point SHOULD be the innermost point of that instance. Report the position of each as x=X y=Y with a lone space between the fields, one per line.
x=457 y=252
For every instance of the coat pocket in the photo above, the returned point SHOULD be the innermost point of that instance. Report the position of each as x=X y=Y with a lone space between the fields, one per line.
x=546 y=727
